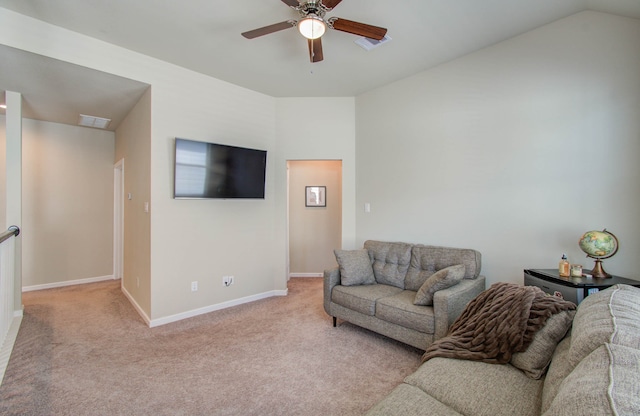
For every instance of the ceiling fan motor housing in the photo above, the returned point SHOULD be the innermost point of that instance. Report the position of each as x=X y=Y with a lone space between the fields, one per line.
x=312 y=7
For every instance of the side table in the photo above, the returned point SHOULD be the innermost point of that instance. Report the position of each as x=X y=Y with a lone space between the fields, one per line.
x=573 y=289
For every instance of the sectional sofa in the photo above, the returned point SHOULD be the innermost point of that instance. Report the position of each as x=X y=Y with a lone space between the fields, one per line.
x=583 y=365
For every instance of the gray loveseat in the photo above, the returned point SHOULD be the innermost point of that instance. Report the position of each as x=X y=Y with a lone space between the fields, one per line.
x=594 y=370
x=376 y=288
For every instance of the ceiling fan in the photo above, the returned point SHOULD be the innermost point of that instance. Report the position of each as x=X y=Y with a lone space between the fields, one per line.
x=312 y=25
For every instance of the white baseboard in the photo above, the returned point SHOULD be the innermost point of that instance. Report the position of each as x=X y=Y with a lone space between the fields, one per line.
x=305 y=275
x=67 y=283
x=173 y=318
x=137 y=307
x=217 y=307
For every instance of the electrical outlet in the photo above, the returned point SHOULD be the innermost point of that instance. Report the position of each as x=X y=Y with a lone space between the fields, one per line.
x=227 y=280
x=194 y=286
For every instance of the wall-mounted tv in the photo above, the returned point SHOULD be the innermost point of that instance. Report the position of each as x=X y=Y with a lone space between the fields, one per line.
x=210 y=170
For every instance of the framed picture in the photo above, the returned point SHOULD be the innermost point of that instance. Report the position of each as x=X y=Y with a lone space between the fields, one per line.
x=316 y=196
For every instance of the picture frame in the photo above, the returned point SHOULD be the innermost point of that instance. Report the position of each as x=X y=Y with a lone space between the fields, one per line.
x=315 y=196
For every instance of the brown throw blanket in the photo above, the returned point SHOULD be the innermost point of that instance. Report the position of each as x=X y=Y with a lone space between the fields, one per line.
x=500 y=321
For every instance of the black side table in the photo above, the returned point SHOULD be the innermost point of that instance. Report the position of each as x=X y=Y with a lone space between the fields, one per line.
x=573 y=289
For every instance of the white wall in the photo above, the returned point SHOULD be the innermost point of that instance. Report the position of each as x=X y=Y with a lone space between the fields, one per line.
x=190 y=240
x=67 y=199
x=320 y=129
x=515 y=150
x=500 y=151
x=12 y=192
x=133 y=145
x=3 y=170
x=205 y=240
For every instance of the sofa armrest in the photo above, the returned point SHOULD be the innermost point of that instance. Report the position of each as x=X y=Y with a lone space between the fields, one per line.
x=331 y=279
x=449 y=303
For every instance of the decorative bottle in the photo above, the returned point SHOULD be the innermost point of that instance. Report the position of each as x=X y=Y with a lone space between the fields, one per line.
x=564 y=268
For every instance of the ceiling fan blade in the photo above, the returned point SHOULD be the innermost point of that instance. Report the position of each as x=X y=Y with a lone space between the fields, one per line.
x=315 y=50
x=291 y=3
x=356 y=28
x=269 y=29
x=330 y=4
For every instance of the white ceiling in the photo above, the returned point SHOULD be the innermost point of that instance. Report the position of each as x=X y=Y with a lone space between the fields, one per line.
x=204 y=35
x=58 y=91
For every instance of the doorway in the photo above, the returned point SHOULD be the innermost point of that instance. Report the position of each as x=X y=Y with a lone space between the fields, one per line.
x=314 y=230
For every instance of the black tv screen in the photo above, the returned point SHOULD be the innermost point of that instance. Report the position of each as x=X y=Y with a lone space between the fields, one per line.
x=209 y=170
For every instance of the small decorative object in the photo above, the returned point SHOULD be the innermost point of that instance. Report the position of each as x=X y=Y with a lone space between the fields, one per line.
x=599 y=245
x=563 y=266
x=316 y=196
x=576 y=270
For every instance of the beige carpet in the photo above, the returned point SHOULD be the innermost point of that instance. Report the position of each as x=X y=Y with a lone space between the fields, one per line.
x=83 y=350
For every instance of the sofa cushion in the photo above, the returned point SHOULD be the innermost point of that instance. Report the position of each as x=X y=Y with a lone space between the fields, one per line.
x=400 y=310
x=407 y=400
x=476 y=388
x=559 y=369
x=355 y=267
x=442 y=279
x=426 y=260
x=362 y=298
x=607 y=316
x=535 y=359
x=390 y=261
x=603 y=383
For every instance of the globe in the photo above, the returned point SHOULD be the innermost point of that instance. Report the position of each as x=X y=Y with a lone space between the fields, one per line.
x=599 y=245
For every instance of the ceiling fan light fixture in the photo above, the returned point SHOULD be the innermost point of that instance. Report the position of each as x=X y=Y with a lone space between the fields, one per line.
x=312 y=26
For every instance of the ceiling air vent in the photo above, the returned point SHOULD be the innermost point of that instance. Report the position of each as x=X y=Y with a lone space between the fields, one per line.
x=92 y=121
x=367 y=43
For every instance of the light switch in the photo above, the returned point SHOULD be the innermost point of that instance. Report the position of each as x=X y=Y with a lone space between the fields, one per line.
x=367 y=207
x=146 y=207
x=129 y=196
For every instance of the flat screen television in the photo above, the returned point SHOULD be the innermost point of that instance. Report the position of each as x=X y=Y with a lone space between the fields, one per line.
x=209 y=170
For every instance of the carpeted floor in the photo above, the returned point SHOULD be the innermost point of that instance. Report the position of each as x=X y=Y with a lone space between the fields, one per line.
x=83 y=350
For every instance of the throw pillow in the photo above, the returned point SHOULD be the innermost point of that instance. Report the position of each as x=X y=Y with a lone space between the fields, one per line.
x=536 y=358
x=355 y=267
x=442 y=279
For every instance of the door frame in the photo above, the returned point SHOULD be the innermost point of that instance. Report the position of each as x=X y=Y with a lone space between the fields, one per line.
x=118 y=220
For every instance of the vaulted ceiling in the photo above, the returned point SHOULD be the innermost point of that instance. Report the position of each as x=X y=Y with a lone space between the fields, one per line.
x=204 y=35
